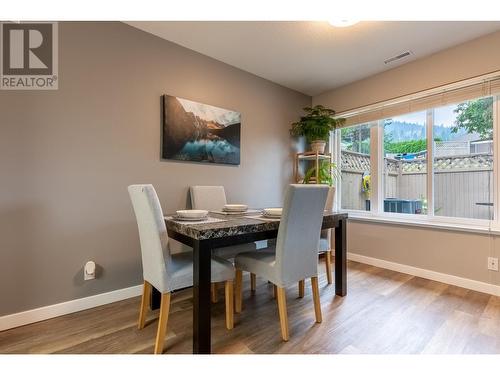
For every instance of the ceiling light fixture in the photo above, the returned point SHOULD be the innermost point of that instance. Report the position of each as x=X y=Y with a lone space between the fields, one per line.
x=343 y=22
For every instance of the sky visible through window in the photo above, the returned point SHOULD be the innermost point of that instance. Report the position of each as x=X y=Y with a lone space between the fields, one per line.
x=445 y=116
x=412 y=118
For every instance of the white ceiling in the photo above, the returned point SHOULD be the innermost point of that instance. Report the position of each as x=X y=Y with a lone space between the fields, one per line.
x=313 y=57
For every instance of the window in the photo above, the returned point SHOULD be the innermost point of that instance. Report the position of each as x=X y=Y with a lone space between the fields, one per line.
x=405 y=164
x=355 y=167
x=429 y=157
x=463 y=160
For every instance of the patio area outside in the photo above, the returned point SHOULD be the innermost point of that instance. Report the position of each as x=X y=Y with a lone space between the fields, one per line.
x=463 y=183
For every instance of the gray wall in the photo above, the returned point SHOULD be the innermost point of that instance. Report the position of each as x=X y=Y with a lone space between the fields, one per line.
x=451 y=252
x=67 y=156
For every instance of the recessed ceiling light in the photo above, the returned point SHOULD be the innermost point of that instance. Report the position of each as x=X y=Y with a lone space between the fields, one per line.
x=343 y=22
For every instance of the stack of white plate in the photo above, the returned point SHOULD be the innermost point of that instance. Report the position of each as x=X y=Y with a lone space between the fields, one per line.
x=191 y=215
x=272 y=212
x=235 y=208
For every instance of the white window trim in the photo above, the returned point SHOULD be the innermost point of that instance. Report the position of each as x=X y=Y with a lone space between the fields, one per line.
x=473 y=225
x=429 y=220
x=496 y=163
x=429 y=132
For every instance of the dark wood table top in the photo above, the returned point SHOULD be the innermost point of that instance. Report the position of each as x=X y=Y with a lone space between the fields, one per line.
x=234 y=225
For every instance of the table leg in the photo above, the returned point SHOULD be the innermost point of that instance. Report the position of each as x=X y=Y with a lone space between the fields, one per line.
x=201 y=298
x=341 y=258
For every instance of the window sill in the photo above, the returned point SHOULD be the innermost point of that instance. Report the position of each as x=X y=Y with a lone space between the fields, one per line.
x=413 y=221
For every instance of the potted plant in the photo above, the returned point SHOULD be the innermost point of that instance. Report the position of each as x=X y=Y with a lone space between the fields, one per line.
x=316 y=126
x=327 y=175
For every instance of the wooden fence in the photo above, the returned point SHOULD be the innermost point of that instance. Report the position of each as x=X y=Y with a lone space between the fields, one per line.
x=463 y=184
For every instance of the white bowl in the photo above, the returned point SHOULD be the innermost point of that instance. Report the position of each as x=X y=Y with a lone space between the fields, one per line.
x=235 y=207
x=273 y=211
x=192 y=214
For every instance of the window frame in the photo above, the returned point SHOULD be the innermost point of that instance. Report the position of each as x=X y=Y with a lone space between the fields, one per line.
x=380 y=166
x=335 y=149
x=377 y=213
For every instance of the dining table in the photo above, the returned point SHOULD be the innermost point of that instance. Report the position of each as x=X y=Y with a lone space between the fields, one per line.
x=220 y=230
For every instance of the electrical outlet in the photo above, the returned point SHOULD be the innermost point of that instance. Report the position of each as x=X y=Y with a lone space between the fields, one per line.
x=493 y=264
x=89 y=270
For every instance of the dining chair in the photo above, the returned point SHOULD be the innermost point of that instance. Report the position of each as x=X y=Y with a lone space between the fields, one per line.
x=325 y=245
x=210 y=198
x=213 y=198
x=294 y=257
x=165 y=271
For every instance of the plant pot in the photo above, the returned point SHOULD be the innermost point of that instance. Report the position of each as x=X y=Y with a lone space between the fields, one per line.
x=318 y=146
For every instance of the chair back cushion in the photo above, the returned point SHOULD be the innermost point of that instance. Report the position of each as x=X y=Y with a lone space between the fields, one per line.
x=329 y=199
x=153 y=235
x=208 y=197
x=326 y=233
x=299 y=233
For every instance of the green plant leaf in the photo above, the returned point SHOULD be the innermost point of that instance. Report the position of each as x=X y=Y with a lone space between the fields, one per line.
x=316 y=124
x=324 y=176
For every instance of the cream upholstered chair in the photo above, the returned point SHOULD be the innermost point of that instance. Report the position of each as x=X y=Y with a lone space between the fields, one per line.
x=213 y=198
x=295 y=255
x=325 y=241
x=164 y=271
x=325 y=244
x=210 y=198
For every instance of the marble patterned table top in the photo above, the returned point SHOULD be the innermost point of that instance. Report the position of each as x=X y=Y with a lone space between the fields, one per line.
x=233 y=226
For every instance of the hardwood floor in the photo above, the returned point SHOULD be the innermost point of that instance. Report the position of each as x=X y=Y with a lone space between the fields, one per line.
x=384 y=312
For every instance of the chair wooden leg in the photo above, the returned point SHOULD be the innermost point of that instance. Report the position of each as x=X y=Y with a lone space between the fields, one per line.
x=238 y=291
x=253 y=282
x=146 y=296
x=229 y=304
x=213 y=292
x=274 y=291
x=162 y=323
x=301 y=288
x=317 y=303
x=328 y=263
x=282 y=312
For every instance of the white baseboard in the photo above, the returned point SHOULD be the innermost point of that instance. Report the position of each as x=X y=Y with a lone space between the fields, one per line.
x=68 y=307
x=462 y=282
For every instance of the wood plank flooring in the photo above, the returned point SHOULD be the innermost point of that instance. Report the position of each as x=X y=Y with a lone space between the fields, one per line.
x=384 y=312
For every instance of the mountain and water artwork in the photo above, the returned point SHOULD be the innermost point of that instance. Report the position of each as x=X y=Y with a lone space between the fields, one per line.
x=199 y=132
